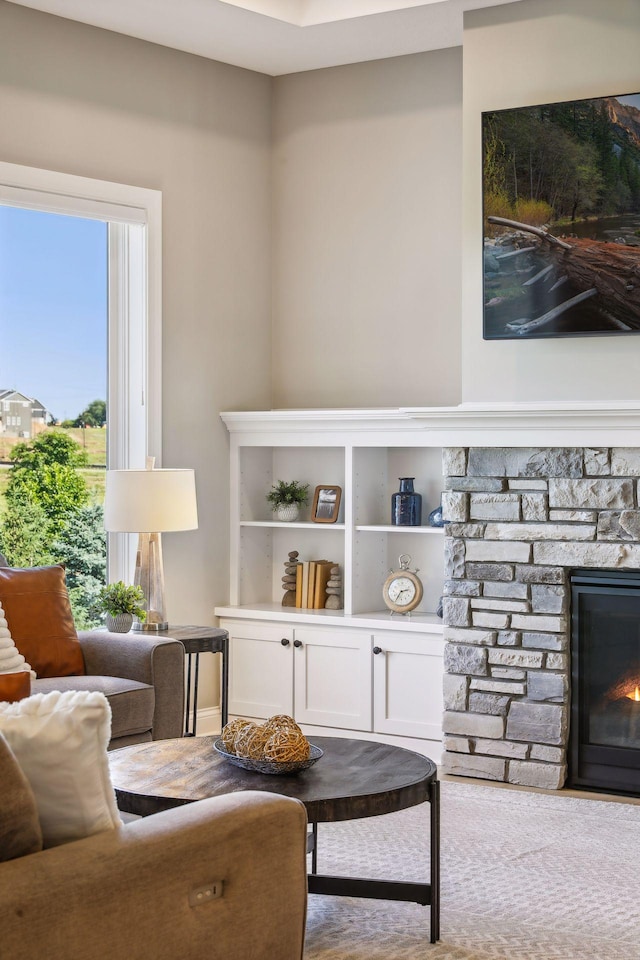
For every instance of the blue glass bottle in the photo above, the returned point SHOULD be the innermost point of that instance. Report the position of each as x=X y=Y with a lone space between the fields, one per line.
x=406 y=505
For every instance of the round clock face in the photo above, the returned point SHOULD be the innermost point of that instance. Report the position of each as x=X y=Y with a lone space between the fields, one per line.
x=402 y=591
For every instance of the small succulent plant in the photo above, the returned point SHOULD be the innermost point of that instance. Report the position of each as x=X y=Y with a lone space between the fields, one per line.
x=118 y=598
x=286 y=493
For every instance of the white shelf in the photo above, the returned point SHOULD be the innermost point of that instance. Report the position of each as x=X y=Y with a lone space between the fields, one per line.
x=374 y=620
x=394 y=528
x=292 y=525
x=403 y=623
x=365 y=458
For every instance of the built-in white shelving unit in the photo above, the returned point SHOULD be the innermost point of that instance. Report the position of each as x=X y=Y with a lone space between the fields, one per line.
x=359 y=669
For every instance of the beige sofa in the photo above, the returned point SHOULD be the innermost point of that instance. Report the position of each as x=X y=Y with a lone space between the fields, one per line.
x=133 y=893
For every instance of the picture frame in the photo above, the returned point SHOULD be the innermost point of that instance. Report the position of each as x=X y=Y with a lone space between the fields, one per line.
x=561 y=219
x=326 y=503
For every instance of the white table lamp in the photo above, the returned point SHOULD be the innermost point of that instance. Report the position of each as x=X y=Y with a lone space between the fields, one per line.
x=150 y=502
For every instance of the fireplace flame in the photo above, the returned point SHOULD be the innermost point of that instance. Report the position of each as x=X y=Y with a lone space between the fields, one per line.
x=635 y=695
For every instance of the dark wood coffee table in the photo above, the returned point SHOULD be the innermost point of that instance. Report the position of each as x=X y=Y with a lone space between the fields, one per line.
x=354 y=779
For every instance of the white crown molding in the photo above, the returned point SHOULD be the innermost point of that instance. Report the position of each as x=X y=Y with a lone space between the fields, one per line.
x=574 y=424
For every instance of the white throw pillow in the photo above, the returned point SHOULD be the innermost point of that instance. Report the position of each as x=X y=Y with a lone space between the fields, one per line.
x=60 y=741
x=10 y=660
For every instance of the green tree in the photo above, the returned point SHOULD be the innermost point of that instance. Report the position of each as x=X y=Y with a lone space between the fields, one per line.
x=604 y=145
x=51 y=446
x=82 y=547
x=25 y=533
x=44 y=471
x=496 y=200
x=548 y=155
x=93 y=415
x=630 y=176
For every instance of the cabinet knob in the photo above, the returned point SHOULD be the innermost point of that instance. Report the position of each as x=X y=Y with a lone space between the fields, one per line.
x=297 y=643
x=285 y=642
x=378 y=650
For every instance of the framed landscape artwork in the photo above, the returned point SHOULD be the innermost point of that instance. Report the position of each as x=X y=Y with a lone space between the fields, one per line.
x=561 y=219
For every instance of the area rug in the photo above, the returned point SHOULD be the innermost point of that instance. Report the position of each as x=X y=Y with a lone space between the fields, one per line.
x=525 y=876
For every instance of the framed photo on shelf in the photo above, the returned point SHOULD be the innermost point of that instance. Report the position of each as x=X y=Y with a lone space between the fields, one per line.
x=326 y=504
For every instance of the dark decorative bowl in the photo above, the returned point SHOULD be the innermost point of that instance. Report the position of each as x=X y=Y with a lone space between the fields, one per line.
x=269 y=766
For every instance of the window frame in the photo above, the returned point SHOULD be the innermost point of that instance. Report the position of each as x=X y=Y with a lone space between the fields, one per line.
x=134 y=350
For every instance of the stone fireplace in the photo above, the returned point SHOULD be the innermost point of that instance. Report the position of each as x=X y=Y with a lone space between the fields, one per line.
x=520 y=519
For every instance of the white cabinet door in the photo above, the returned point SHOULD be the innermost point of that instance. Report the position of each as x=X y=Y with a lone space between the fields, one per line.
x=407 y=685
x=260 y=669
x=332 y=678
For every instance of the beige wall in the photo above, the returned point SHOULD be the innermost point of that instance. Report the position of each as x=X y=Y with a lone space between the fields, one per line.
x=85 y=101
x=538 y=51
x=365 y=181
x=366 y=279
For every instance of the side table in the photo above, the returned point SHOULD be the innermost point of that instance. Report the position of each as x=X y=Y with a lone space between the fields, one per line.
x=197 y=640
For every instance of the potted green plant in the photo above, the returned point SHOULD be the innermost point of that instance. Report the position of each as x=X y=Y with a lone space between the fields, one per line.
x=121 y=603
x=286 y=498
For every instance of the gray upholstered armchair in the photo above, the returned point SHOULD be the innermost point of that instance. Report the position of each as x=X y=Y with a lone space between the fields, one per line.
x=141 y=675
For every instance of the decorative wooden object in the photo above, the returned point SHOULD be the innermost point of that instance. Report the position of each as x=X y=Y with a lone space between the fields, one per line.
x=281 y=721
x=278 y=739
x=289 y=579
x=231 y=731
x=250 y=742
x=285 y=745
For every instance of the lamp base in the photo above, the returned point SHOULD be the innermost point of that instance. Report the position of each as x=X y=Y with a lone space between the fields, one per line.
x=149 y=575
x=150 y=627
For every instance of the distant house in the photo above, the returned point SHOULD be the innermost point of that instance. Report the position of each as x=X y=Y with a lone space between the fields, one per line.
x=21 y=416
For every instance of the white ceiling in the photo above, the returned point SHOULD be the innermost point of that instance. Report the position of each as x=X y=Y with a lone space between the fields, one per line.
x=279 y=36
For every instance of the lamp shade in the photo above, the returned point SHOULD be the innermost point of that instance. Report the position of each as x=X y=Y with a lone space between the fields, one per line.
x=150 y=501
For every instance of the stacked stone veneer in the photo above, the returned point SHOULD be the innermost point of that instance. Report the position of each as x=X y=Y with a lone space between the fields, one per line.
x=518 y=520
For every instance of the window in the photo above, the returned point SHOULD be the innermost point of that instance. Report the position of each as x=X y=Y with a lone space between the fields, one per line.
x=133 y=218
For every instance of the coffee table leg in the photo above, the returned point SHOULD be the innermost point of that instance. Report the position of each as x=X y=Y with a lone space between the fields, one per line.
x=224 y=693
x=422 y=893
x=195 y=695
x=434 y=804
x=187 y=711
x=314 y=851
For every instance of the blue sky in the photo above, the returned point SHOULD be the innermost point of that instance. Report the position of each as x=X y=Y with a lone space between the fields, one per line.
x=633 y=100
x=53 y=308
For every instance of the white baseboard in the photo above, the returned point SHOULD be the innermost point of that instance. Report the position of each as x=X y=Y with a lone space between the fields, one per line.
x=209 y=721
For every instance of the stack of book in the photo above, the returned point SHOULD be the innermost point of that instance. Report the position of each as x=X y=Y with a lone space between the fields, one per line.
x=312 y=577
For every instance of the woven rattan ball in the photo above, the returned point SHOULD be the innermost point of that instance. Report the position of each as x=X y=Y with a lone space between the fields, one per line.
x=286 y=745
x=250 y=742
x=231 y=731
x=281 y=721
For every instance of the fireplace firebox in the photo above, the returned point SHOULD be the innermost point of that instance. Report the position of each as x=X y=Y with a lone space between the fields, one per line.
x=604 y=743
